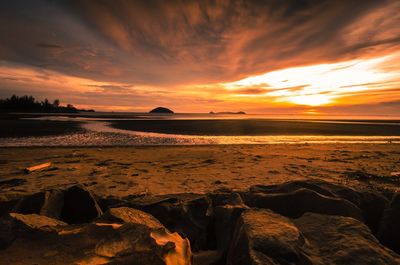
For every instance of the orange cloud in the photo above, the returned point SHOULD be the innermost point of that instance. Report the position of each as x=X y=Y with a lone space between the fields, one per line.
x=325 y=83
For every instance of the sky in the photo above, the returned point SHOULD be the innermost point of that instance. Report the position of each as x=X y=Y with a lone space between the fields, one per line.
x=273 y=56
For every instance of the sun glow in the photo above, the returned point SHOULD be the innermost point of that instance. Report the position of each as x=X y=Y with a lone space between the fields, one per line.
x=319 y=84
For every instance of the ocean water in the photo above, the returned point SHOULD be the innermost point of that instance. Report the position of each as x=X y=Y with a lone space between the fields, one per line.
x=130 y=129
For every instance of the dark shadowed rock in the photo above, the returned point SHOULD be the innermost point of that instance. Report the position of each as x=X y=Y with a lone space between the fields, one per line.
x=223 y=198
x=30 y=204
x=296 y=203
x=49 y=203
x=7 y=234
x=79 y=206
x=228 y=207
x=7 y=204
x=263 y=237
x=190 y=215
x=207 y=257
x=389 y=231
x=371 y=203
x=111 y=202
x=226 y=217
x=341 y=240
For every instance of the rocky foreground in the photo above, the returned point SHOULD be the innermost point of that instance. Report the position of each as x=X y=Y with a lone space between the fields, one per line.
x=298 y=222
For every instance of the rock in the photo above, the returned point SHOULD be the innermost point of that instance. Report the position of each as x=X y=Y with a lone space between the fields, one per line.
x=7 y=204
x=7 y=234
x=30 y=204
x=111 y=202
x=35 y=221
x=263 y=237
x=341 y=240
x=161 y=110
x=137 y=242
x=228 y=207
x=190 y=215
x=226 y=217
x=79 y=206
x=14 y=224
x=292 y=186
x=371 y=203
x=130 y=215
x=296 y=203
x=389 y=231
x=207 y=257
x=48 y=203
x=224 y=198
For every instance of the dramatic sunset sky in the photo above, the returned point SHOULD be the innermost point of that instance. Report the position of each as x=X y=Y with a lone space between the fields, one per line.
x=276 y=56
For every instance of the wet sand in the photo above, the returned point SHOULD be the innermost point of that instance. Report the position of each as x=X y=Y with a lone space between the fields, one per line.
x=14 y=126
x=150 y=170
x=263 y=127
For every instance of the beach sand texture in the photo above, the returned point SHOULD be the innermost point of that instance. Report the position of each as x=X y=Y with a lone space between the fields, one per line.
x=156 y=170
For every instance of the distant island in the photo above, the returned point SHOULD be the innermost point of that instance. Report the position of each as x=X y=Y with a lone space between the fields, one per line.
x=30 y=104
x=227 y=112
x=161 y=110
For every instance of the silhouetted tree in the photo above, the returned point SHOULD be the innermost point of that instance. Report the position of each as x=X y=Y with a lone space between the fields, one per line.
x=28 y=103
x=56 y=103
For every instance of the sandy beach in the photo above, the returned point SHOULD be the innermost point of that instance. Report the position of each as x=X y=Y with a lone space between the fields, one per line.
x=156 y=170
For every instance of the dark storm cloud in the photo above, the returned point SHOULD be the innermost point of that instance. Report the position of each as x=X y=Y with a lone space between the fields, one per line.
x=172 y=42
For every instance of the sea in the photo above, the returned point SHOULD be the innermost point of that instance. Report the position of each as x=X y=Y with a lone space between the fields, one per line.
x=137 y=129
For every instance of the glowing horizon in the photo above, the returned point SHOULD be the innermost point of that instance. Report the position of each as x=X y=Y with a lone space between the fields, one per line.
x=322 y=84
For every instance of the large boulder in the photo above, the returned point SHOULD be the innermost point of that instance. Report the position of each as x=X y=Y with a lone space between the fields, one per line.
x=228 y=207
x=191 y=215
x=389 y=231
x=123 y=236
x=49 y=203
x=79 y=206
x=263 y=237
x=296 y=203
x=371 y=203
x=14 y=225
x=342 y=240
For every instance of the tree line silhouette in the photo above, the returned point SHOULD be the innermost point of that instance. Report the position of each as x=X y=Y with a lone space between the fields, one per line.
x=29 y=103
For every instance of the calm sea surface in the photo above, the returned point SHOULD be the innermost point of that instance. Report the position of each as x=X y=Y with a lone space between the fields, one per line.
x=124 y=129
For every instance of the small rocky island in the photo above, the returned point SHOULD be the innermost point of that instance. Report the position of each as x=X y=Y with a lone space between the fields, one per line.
x=227 y=112
x=161 y=110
